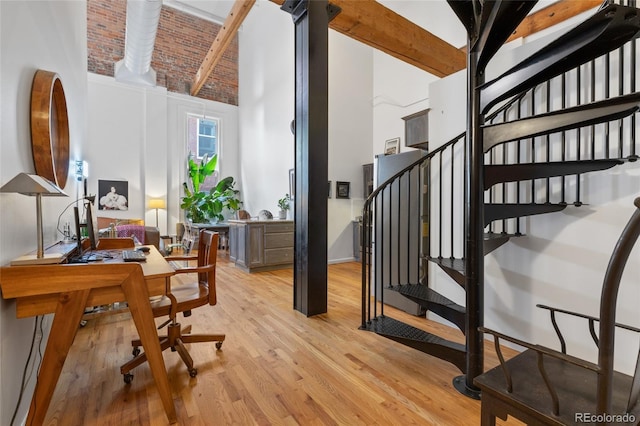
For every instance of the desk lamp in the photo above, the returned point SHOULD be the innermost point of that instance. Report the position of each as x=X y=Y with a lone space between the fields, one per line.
x=157 y=203
x=27 y=184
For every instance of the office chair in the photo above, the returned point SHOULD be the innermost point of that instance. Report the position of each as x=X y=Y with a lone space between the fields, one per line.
x=184 y=298
x=115 y=243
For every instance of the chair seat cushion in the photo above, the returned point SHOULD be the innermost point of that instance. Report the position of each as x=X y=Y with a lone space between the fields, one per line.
x=188 y=296
x=136 y=231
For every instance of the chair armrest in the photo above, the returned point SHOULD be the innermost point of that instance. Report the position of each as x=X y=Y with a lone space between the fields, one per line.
x=195 y=269
x=172 y=258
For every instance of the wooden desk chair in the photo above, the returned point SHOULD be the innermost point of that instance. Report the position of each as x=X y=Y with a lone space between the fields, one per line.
x=184 y=298
x=115 y=243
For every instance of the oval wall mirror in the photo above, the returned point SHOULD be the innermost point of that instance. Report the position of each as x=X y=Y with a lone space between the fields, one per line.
x=49 y=127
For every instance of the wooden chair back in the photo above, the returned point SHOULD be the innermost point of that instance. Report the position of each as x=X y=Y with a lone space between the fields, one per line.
x=207 y=257
x=115 y=243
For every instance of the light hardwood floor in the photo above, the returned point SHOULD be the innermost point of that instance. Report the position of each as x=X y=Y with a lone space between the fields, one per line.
x=276 y=367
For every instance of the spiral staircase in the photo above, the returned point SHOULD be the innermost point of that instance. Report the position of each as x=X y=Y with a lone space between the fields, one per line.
x=522 y=154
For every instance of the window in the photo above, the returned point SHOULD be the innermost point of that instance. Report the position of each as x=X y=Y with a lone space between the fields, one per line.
x=207 y=137
x=203 y=139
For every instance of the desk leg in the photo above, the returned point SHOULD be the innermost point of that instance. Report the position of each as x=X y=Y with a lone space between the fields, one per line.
x=138 y=300
x=63 y=330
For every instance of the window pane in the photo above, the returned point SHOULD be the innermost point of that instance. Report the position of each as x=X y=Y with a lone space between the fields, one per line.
x=207 y=127
x=207 y=137
x=206 y=145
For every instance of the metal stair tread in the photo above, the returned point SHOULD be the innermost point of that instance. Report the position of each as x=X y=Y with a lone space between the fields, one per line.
x=456 y=264
x=498 y=211
x=387 y=326
x=427 y=294
x=501 y=173
x=566 y=119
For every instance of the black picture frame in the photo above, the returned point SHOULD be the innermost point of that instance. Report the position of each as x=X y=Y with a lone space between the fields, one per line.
x=113 y=195
x=342 y=189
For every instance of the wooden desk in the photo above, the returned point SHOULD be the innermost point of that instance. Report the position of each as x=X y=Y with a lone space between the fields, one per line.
x=66 y=289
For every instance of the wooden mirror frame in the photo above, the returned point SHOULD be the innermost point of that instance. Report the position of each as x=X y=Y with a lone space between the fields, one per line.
x=49 y=127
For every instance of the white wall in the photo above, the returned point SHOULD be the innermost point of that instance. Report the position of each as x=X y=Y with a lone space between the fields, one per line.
x=138 y=134
x=266 y=100
x=33 y=35
x=266 y=97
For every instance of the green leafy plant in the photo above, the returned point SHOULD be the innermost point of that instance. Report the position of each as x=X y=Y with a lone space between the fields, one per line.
x=198 y=172
x=200 y=206
x=283 y=203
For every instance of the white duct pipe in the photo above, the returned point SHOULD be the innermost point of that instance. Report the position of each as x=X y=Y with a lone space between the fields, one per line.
x=142 y=24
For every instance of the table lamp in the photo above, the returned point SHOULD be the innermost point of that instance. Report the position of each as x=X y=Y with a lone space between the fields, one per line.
x=38 y=186
x=157 y=203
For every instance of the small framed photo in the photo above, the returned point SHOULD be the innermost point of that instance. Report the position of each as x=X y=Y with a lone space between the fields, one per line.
x=292 y=183
x=113 y=195
x=329 y=193
x=392 y=146
x=342 y=189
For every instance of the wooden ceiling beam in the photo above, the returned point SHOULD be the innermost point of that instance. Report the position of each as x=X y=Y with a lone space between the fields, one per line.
x=229 y=29
x=377 y=26
x=381 y=28
x=552 y=15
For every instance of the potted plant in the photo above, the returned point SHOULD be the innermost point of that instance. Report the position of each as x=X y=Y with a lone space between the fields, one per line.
x=200 y=206
x=284 y=205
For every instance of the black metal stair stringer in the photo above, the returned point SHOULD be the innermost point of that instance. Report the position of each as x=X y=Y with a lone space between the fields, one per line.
x=455 y=267
x=606 y=30
x=452 y=266
x=492 y=240
x=435 y=302
x=500 y=173
x=496 y=211
x=421 y=340
x=569 y=118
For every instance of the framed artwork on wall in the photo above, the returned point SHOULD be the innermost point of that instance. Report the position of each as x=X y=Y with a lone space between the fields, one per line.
x=329 y=193
x=342 y=189
x=392 y=146
x=113 y=195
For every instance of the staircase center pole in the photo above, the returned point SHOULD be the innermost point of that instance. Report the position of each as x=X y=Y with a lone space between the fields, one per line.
x=474 y=217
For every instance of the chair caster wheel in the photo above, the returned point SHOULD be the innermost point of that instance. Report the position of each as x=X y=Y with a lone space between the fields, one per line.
x=218 y=345
x=193 y=372
x=128 y=378
x=136 y=351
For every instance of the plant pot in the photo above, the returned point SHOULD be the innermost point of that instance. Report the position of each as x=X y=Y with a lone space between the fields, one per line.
x=282 y=214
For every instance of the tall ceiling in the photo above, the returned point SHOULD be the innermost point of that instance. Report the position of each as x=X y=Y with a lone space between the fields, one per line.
x=383 y=25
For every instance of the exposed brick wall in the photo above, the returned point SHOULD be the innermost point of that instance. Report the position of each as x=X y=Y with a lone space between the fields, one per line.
x=182 y=42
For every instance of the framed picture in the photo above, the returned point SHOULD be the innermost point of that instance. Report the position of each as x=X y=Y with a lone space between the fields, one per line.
x=329 y=193
x=342 y=189
x=392 y=146
x=113 y=195
x=292 y=183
